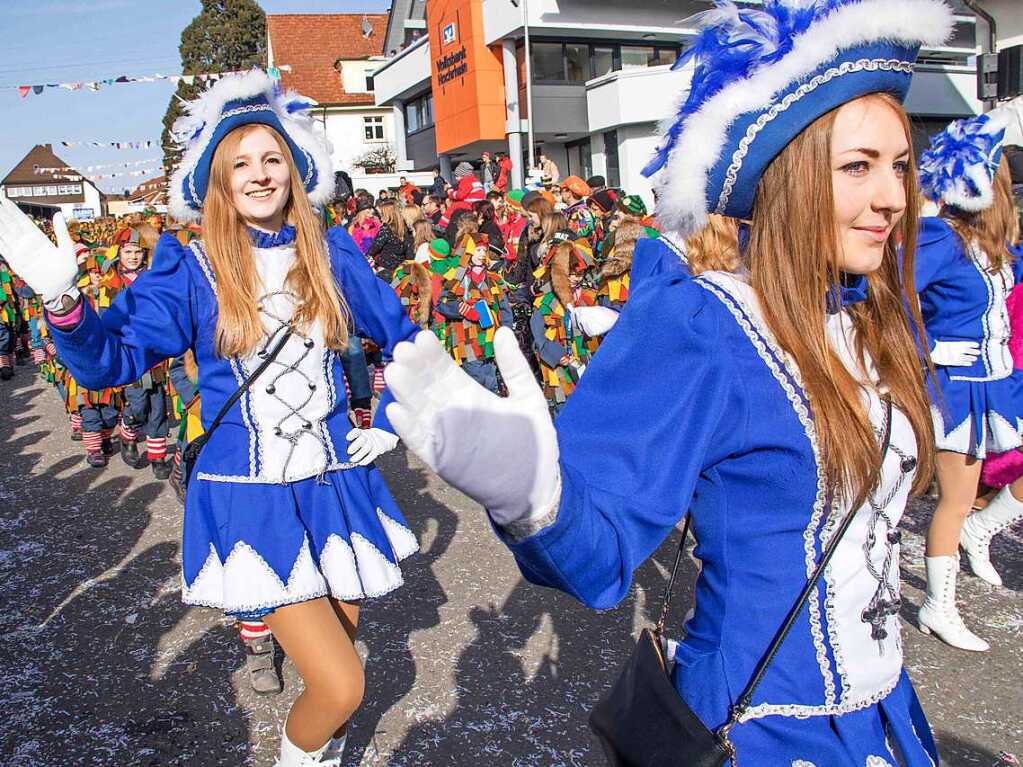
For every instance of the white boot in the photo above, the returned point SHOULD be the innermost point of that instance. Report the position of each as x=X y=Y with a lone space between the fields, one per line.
x=981 y=526
x=293 y=756
x=335 y=750
x=939 y=613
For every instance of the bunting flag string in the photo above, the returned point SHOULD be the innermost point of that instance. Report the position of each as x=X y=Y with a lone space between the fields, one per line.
x=112 y=144
x=99 y=176
x=95 y=85
x=104 y=166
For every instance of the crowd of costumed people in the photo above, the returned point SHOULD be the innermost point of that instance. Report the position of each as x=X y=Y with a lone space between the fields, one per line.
x=810 y=325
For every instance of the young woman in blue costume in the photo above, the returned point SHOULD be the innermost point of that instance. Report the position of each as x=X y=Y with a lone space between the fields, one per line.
x=765 y=418
x=968 y=261
x=286 y=518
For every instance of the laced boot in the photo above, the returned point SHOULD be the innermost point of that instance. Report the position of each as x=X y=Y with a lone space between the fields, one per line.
x=939 y=614
x=981 y=526
x=292 y=756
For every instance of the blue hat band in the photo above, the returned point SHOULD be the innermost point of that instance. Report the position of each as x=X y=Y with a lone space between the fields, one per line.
x=757 y=138
x=196 y=183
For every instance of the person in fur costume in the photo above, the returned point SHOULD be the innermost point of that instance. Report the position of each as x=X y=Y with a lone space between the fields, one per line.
x=561 y=346
x=613 y=277
x=471 y=303
x=414 y=283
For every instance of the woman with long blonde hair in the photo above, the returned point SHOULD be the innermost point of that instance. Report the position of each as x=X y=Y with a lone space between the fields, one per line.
x=287 y=520
x=781 y=405
x=968 y=263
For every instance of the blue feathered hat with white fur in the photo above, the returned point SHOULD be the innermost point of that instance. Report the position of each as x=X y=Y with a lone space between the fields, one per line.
x=246 y=99
x=761 y=76
x=959 y=167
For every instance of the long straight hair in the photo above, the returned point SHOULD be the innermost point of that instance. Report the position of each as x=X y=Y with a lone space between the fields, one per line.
x=227 y=244
x=993 y=227
x=391 y=216
x=793 y=256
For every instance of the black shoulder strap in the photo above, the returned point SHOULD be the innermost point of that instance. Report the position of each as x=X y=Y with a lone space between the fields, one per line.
x=268 y=357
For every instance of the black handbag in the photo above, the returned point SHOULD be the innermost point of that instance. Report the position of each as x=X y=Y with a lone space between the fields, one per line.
x=642 y=721
x=191 y=454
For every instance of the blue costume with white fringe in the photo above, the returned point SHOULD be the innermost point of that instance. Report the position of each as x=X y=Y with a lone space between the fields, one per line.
x=275 y=512
x=976 y=408
x=725 y=429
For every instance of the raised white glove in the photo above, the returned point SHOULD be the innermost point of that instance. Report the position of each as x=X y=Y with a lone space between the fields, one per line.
x=955 y=353
x=501 y=452
x=366 y=445
x=594 y=320
x=51 y=271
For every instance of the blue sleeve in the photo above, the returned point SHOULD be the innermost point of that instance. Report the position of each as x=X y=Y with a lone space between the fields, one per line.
x=376 y=310
x=654 y=256
x=1017 y=263
x=448 y=310
x=547 y=350
x=507 y=318
x=937 y=247
x=667 y=427
x=145 y=325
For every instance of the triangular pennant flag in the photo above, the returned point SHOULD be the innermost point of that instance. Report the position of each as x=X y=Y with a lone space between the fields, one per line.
x=189 y=79
x=24 y=90
x=37 y=89
x=92 y=86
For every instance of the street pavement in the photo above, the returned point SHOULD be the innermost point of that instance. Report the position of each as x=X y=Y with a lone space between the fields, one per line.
x=467 y=664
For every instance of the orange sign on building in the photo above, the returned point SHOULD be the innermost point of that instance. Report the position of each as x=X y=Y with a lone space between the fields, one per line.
x=467 y=76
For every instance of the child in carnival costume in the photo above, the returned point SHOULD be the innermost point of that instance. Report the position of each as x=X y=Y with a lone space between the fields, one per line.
x=470 y=306
x=286 y=520
x=98 y=410
x=574 y=193
x=775 y=385
x=562 y=347
x=602 y=205
x=145 y=400
x=9 y=318
x=969 y=261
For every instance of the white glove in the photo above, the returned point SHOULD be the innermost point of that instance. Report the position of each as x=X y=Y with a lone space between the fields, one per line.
x=51 y=271
x=594 y=320
x=501 y=452
x=955 y=354
x=366 y=445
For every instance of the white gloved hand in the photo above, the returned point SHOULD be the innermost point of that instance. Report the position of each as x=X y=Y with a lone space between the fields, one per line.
x=366 y=445
x=51 y=271
x=594 y=320
x=501 y=452
x=955 y=353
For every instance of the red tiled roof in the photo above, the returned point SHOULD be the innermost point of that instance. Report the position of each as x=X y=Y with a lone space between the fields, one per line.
x=311 y=42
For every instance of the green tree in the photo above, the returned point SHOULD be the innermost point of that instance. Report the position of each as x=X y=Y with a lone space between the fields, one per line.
x=227 y=35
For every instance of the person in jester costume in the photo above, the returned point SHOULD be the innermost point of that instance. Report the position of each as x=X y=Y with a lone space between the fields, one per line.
x=8 y=321
x=145 y=401
x=560 y=342
x=471 y=304
x=414 y=282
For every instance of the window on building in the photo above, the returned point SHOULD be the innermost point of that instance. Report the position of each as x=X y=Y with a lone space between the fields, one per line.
x=636 y=56
x=53 y=189
x=419 y=114
x=411 y=117
x=39 y=191
x=374 y=128
x=577 y=62
x=548 y=65
x=370 y=87
x=602 y=60
x=76 y=189
x=613 y=174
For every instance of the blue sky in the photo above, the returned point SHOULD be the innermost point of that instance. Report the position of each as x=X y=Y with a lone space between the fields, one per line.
x=49 y=41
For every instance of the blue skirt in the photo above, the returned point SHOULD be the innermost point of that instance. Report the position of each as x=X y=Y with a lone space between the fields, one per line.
x=250 y=548
x=977 y=417
x=868 y=737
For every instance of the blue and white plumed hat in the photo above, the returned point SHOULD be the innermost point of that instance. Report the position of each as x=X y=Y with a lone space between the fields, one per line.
x=238 y=100
x=959 y=167
x=763 y=75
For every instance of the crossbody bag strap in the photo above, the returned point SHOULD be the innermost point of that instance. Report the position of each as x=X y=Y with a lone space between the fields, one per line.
x=745 y=700
x=267 y=360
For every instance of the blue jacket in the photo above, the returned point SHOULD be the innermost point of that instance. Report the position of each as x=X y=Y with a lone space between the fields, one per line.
x=173 y=307
x=960 y=300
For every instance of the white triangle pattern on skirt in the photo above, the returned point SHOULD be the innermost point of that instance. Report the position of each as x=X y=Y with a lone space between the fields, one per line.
x=347 y=571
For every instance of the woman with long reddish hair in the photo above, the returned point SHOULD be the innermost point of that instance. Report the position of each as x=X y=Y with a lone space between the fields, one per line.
x=968 y=262
x=775 y=403
x=287 y=520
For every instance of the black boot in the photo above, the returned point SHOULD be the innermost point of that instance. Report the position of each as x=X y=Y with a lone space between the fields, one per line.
x=130 y=452
x=6 y=373
x=178 y=484
x=162 y=468
x=96 y=460
x=107 y=446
